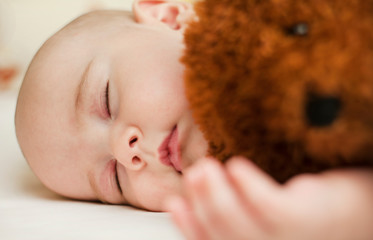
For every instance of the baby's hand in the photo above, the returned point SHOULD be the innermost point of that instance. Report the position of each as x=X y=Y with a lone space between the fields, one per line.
x=240 y=201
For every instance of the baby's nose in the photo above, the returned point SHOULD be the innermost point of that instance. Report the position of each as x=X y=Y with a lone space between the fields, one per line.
x=132 y=141
x=126 y=148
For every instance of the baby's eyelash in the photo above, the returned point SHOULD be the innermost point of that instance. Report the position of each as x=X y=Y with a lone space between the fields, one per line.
x=107 y=103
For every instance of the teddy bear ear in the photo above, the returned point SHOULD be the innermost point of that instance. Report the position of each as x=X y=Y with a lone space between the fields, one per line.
x=172 y=14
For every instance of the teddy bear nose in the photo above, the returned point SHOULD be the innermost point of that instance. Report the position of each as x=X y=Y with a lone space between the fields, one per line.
x=322 y=111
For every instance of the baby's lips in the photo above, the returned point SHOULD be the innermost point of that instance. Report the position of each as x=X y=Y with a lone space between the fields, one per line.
x=169 y=152
x=164 y=150
x=175 y=150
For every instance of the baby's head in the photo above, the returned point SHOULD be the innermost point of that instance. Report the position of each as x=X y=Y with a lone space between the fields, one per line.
x=103 y=104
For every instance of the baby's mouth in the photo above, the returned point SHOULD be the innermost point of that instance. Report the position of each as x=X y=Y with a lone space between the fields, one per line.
x=169 y=153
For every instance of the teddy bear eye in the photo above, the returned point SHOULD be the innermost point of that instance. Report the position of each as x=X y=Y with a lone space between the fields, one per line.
x=322 y=111
x=299 y=29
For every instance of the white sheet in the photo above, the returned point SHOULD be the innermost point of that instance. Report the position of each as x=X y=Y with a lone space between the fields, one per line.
x=29 y=211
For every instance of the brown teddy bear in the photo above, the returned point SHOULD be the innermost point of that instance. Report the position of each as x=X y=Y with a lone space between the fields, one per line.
x=286 y=83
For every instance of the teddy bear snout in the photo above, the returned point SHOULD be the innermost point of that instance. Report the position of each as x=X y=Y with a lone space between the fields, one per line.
x=322 y=111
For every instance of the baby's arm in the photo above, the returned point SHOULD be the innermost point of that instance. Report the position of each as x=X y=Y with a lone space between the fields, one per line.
x=239 y=201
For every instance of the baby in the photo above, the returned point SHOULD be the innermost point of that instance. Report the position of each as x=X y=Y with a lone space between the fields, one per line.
x=102 y=107
x=102 y=115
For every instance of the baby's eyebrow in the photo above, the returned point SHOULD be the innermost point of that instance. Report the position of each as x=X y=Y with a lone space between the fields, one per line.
x=94 y=186
x=82 y=81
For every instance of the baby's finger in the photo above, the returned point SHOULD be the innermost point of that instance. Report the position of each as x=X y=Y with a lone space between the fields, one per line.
x=217 y=207
x=261 y=192
x=182 y=216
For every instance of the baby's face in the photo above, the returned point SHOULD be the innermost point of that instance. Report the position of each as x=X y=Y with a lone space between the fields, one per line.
x=107 y=118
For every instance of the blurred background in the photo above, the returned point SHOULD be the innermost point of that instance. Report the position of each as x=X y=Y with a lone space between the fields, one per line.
x=26 y=24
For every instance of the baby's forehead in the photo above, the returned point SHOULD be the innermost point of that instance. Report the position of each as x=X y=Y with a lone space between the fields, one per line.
x=61 y=44
x=61 y=60
x=75 y=39
x=97 y=22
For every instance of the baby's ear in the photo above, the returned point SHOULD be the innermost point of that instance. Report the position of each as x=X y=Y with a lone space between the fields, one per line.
x=172 y=14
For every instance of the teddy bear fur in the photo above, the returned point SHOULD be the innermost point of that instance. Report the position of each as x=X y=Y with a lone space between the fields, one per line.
x=285 y=83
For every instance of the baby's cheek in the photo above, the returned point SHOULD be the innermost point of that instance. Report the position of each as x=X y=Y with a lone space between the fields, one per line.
x=149 y=191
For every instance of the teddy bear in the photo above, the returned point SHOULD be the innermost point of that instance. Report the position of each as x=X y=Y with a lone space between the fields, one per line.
x=286 y=83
